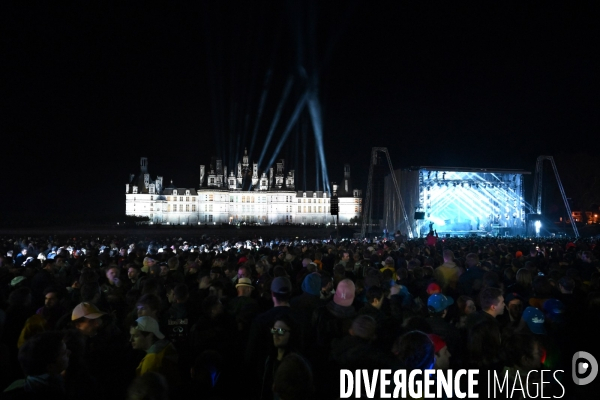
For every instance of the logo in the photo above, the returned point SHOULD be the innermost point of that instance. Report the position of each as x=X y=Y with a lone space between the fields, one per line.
x=584 y=363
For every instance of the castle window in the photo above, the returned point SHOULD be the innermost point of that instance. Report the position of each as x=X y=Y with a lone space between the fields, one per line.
x=174 y=192
x=299 y=200
x=193 y=208
x=187 y=199
x=187 y=207
x=210 y=197
x=210 y=218
x=151 y=197
x=181 y=207
x=299 y=208
x=320 y=209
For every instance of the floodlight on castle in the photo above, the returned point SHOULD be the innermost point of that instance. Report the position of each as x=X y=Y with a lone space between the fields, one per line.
x=245 y=195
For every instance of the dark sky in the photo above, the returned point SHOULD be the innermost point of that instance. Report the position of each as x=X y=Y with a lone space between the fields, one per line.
x=89 y=89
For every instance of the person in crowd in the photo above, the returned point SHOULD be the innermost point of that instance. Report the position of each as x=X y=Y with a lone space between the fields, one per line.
x=332 y=321
x=483 y=346
x=136 y=276
x=243 y=307
x=259 y=338
x=492 y=305
x=522 y=356
x=294 y=379
x=150 y=386
x=161 y=355
x=465 y=306
x=309 y=300
x=414 y=350
x=86 y=318
x=44 y=278
x=286 y=339
x=114 y=289
x=375 y=299
x=471 y=282
x=448 y=273
x=442 y=354
x=438 y=305
x=43 y=359
x=523 y=286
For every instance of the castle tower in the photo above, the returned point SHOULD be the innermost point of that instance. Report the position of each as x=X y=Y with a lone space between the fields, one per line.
x=347 y=184
x=245 y=159
x=144 y=165
x=254 y=174
x=264 y=182
x=289 y=181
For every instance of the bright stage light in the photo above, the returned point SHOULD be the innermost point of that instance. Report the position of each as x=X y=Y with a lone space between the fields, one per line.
x=538 y=225
x=473 y=202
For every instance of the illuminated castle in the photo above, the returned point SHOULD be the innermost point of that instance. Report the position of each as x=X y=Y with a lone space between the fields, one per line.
x=244 y=196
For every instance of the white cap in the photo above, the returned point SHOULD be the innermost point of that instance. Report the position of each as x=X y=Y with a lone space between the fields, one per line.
x=149 y=324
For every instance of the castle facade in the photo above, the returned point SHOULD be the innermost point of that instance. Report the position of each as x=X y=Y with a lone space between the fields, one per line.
x=246 y=196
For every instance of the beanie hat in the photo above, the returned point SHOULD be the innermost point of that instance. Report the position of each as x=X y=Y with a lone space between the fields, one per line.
x=312 y=284
x=438 y=342
x=433 y=288
x=554 y=309
x=281 y=285
x=344 y=293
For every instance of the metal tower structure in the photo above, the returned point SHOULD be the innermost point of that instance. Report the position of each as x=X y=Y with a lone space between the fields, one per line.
x=369 y=204
x=536 y=200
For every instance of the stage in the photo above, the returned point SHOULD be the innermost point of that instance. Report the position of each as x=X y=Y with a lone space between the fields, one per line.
x=456 y=201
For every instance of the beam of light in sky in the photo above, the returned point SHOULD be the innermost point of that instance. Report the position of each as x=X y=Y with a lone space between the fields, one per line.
x=293 y=119
x=284 y=96
x=315 y=112
x=304 y=140
x=261 y=107
x=317 y=165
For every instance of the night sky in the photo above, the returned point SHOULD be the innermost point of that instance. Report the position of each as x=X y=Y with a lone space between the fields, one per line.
x=89 y=89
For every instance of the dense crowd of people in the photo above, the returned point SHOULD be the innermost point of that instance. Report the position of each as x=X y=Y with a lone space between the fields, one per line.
x=157 y=318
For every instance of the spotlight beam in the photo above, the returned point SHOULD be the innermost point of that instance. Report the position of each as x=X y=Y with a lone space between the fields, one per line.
x=315 y=111
x=261 y=107
x=286 y=93
x=288 y=128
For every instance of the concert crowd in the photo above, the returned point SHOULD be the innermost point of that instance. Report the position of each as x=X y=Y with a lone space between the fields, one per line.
x=115 y=317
